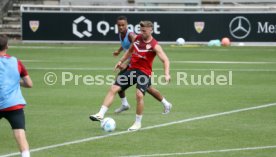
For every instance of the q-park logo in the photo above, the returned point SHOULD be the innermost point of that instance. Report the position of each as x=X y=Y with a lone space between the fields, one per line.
x=239 y=27
x=79 y=21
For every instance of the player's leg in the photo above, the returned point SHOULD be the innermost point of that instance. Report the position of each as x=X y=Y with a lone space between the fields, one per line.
x=121 y=83
x=143 y=81
x=140 y=102
x=122 y=94
x=157 y=95
x=106 y=103
x=110 y=95
x=22 y=142
x=139 y=111
x=17 y=121
x=124 y=103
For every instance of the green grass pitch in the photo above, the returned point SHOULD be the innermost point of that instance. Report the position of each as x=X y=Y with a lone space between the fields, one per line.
x=59 y=113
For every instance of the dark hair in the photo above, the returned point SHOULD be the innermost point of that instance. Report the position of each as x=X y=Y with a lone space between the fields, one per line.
x=3 y=42
x=121 y=18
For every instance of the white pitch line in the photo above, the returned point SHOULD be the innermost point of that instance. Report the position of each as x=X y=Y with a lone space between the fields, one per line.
x=180 y=62
x=44 y=47
x=157 y=69
x=206 y=151
x=82 y=69
x=221 y=62
x=145 y=128
x=37 y=61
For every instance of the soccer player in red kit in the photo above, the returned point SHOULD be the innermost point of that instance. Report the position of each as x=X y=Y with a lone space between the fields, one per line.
x=13 y=75
x=127 y=37
x=142 y=53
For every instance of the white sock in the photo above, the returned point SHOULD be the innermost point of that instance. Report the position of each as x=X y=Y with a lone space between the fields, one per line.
x=25 y=153
x=124 y=101
x=165 y=102
x=138 y=118
x=103 y=110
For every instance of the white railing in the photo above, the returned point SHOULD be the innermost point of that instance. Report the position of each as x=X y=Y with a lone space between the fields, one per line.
x=93 y=2
x=162 y=9
x=247 y=1
x=168 y=2
x=156 y=2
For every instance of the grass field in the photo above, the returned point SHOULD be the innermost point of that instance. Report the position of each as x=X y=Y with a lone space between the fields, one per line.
x=57 y=114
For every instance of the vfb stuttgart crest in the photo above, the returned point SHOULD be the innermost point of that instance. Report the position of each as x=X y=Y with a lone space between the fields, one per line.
x=148 y=46
x=199 y=26
x=34 y=25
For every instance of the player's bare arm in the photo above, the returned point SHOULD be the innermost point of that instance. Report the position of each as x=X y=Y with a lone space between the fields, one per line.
x=117 y=52
x=124 y=65
x=165 y=60
x=132 y=37
x=26 y=82
x=124 y=57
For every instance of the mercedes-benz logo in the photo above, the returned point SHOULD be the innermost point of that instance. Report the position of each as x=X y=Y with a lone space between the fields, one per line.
x=240 y=27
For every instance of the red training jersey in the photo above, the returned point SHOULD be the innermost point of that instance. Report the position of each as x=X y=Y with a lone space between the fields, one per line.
x=143 y=55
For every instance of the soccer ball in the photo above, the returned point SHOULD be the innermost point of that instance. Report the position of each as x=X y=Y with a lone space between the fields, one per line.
x=180 y=41
x=225 y=42
x=108 y=124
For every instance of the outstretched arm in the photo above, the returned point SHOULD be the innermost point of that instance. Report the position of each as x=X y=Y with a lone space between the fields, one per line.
x=165 y=60
x=124 y=57
x=116 y=53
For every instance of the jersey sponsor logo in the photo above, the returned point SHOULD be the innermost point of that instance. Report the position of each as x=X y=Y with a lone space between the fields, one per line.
x=34 y=25
x=199 y=26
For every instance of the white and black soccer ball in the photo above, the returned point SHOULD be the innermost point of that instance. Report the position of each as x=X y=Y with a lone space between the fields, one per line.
x=108 y=124
x=180 y=41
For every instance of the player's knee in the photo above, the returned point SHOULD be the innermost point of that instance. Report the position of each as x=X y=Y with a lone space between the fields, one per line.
x=19 y=134
x=114 y=89
x=139 y=95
